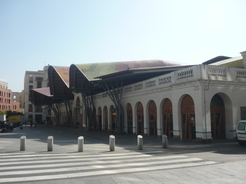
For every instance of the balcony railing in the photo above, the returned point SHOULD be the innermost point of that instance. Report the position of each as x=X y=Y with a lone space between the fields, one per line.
x=190 y=74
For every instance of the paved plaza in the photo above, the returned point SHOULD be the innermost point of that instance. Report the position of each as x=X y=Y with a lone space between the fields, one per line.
x=182 y=162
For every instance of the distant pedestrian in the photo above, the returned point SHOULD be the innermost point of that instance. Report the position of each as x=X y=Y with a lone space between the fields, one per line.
x=31 y=123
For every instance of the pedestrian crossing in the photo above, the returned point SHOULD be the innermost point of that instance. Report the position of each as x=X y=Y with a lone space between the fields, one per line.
x=28 y=167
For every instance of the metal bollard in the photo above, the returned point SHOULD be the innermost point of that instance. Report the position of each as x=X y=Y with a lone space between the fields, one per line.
x=111 y=142
x=140 y=142
x=23 y=143
x=164 y=141
x=80 y=143
x=50 y=143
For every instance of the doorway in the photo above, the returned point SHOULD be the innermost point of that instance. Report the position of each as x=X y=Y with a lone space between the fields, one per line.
x=99 y=119
x=105 y=118
x=152 y=119
x=140 y=119
x=167 y=118
x=188 y=118
x=129 y=119
x=217 y=111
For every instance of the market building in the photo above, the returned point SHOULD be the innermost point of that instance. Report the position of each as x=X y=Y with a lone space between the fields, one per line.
x=188 y=102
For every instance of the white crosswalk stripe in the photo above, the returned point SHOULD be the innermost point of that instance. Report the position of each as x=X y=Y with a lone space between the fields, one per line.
x=35 y=167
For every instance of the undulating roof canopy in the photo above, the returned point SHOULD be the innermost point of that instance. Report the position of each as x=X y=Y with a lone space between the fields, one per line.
x=93 y=70
x=131 y=76
x=231 y=62
x=80 y=83
x=226 y=61
x=59 y=83
x=41 y=96
x=88 y=76
x=215 y=59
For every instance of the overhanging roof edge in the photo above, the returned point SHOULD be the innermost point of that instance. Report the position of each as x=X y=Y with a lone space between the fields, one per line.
x=59 y=73
x=81 y=71
x=38 y=90
x=132 y=70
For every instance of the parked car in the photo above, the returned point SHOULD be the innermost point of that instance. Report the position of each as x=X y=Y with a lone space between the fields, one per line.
x=241 y=132
x=7 y=127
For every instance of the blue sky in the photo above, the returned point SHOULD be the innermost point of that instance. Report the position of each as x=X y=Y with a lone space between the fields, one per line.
x=35 y=33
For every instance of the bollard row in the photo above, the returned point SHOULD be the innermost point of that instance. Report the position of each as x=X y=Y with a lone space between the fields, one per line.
x=50 y=141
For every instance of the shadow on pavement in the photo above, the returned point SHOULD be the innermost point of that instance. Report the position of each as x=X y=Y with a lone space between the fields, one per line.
x=64 y=136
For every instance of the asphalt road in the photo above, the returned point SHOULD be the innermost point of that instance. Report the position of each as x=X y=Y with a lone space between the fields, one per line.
x=183 y=162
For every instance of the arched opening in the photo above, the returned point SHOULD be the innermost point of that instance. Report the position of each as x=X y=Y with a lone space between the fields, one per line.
x=152 y=119
x=113 y=118
x=78 y=116
x=140 y=119
x=167 y=118
x=94 y=121
x=63 y=118
x=188 y=118
x=99 y=119
x=85 y=123
x=129 y=119
x=105 y=110
x=217 y=111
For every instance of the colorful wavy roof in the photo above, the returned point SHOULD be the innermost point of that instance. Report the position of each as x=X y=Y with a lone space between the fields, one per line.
x=59 y=82
x=63 y=72
x=93 y=70
x=41 y=96
x=44 y=91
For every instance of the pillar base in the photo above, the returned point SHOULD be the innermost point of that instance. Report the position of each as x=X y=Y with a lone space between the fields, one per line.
x=200 y=140
x=176 y=137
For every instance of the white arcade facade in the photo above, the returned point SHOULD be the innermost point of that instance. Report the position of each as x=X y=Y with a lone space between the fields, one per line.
x=200 y=102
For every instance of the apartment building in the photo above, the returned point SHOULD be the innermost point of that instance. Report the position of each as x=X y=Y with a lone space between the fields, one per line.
x=6 y=99
x=18 y=97
x=34 y=80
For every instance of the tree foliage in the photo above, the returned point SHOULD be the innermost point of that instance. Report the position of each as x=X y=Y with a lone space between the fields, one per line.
x=2 y=112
